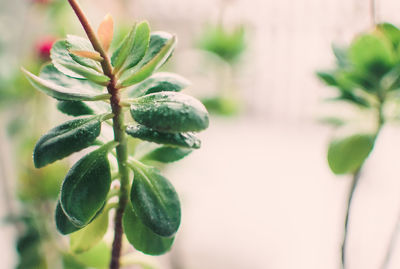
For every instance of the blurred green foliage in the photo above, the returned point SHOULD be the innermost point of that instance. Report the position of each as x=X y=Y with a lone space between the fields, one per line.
x=367 y=76
x=229 y=44
x=368 y=71
x=222 y=105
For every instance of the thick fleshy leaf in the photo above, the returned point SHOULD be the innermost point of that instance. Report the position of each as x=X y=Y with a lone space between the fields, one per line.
x=187 y=140
x=139 y=46
x=105 y=31
x=133 y=47
x=93 y=55
x=170 y=112
x=74 y=108
x=348 y=154
x=63 y=61
x=86 y=186
x=141 y=237
x=77 y=43
x=98 y=257
x=371 y=55
x=63 y=224
x=91 y=235
x=49 y=72
x=159 y=82
x=65 y=139
x=161 y=46
x=155 y=201
x=59 y=92
x=166 y=154
x=79 y=108
x=121 y=52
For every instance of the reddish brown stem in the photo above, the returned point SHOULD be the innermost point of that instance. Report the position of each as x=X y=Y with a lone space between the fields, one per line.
x=119 y=135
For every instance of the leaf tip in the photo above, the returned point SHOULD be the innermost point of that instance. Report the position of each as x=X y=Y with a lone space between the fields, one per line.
x=106 y=31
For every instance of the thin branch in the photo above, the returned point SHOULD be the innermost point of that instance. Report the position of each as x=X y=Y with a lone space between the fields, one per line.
x=356 y=177
x=105 y=64
x=354 y=182
x=392 y=243
x=372 y=7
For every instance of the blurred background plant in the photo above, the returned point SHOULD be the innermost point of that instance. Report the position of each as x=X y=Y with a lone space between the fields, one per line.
x=227 y=44
x=367 y=76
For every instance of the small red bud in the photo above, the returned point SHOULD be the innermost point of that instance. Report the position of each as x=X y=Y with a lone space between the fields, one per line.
x=43 y=47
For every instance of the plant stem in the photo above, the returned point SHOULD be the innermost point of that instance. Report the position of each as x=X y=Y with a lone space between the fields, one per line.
x=105 y=64
x=392 y=244
x=356 y=177
x=119 y=135
x=373 y=12
x=354 y=182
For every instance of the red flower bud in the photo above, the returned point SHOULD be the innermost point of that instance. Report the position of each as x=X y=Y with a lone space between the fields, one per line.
x=43 y=47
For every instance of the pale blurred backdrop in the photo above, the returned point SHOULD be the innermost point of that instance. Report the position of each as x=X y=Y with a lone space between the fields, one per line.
x=259 y=194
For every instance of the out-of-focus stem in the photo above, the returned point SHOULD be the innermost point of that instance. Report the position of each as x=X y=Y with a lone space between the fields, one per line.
x=356 y=178
x=392 y=243
x=354 y=182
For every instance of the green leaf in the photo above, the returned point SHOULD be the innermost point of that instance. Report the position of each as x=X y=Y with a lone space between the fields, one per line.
x=121 y=52
x=91 y=235
x=133 y=47
x=139 y=46
x=161 y=46
x=155 y=201
x=59 y=92
x=341 y=54
x=65 y=139
x=166 y=154
x=391 y=80
x=74 y=108
x=63 y=224
x=69 y=262
x=141 y=237
x=77 y=43
x=98 y=257
x=227 y=44
x=159 y=82
x=170 y=112
x=327 y=77
x=391 y=32
x=332 y=121
x=50 y=73
x=186 y=140
x=353 y=98
x=63 y=61
x=348 y=154
x=222 y=105
x=371 y=55
x=86 y=186
x=367 y=82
